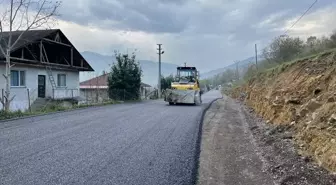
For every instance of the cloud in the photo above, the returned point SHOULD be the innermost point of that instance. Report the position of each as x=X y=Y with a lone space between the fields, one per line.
x=317 y=23
x=146 y=15
x=206 y=33
x=106 y=41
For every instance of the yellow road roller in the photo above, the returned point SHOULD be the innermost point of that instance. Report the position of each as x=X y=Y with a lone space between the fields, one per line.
x=185 y=89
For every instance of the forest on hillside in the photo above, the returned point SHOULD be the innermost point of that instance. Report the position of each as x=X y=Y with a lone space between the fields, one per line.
x=282 y=49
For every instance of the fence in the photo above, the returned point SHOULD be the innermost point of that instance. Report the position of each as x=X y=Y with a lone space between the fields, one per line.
x=124 y=94
x=103 y=94
x=152 y=95
x=94 y=95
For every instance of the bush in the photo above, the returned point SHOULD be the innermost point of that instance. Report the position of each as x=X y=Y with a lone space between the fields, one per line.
x=9 y=115
x=286 y=49
x=125 y=78
x=166 y=82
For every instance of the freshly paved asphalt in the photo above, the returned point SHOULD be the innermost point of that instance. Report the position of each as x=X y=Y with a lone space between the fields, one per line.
x=143 y=143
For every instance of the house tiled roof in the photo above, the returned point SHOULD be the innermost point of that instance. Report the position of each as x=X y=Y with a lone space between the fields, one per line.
x=145 y=85
x=101 y=81
x=97 y=81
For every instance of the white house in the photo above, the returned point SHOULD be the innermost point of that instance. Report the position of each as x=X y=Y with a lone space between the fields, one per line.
x=46 y=65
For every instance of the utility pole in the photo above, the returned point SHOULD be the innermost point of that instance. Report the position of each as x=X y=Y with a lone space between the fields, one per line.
x=159 y=79
x=256 y=56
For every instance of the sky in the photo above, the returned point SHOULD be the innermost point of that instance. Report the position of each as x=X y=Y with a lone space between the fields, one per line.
x=208 y=34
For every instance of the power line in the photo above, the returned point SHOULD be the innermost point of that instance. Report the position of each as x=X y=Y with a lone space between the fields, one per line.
x=300 y=17
x=284 y=34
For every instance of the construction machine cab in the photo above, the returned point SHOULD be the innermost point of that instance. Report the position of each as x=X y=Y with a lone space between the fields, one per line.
x=187 y=75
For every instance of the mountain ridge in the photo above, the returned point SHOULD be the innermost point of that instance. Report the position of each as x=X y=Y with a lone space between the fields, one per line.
x=242 y=64
x=101 y=63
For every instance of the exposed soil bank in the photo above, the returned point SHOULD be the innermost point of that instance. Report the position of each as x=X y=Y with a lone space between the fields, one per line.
x=300 y=95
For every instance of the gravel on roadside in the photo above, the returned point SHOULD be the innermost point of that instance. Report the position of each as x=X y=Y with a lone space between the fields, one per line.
x=283 y=162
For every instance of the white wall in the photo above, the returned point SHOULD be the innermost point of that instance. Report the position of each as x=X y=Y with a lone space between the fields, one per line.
x=21 y=95
x=91 y=94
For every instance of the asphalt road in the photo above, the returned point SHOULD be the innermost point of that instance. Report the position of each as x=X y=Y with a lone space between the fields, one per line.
x=142 y=143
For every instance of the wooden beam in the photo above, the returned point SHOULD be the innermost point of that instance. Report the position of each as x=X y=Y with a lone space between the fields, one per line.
x=55 y=67
x=55 y=64
x=57 y=42
x=71 y=56
x=35 y=61
x=41 y=53
x=32 y=54
x=77 y=67
x=26 y=60
x=66 y=61
x=50 y=64
x=57 y=37
x=45 y=54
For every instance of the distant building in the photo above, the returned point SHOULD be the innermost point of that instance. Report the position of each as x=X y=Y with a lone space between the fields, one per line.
x=96 y=89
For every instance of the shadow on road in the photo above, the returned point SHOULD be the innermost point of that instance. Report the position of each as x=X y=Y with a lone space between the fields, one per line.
x=184 y=105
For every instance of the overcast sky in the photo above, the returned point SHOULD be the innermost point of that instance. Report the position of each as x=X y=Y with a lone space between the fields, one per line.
x=207 y=33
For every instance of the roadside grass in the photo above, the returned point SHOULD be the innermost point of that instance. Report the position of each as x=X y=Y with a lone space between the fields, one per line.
x=267 y=70
x=275 y=68
x=15 y=114
x=56 y=107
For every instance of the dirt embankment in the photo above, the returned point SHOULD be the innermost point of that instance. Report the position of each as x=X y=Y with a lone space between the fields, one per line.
x=302 y=95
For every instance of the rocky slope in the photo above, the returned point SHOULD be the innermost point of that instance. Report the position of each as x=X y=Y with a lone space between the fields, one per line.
x=302 y=95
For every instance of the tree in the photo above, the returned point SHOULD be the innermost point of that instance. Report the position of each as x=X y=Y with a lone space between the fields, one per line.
x=220 y=79
x=166 y=82
x=311 y=43
x=228 y=76
x=333 y=39
x=124 y=80
x=21 y=15
x=204 y=83
x=251 y=71
x=283 y=49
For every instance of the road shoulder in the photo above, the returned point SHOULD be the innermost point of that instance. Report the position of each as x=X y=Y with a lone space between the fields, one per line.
x=227 y=152
x=239 y=148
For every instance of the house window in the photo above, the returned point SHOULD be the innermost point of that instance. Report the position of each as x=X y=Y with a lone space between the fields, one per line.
x=18 y=78
x=61 y=80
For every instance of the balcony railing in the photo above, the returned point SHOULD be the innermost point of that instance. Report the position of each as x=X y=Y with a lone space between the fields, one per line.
x=65 y=93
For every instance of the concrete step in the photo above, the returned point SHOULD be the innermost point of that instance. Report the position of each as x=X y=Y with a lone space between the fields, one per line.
x=39 y=103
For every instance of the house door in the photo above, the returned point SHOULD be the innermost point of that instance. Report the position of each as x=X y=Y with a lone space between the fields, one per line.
x=41 y=86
